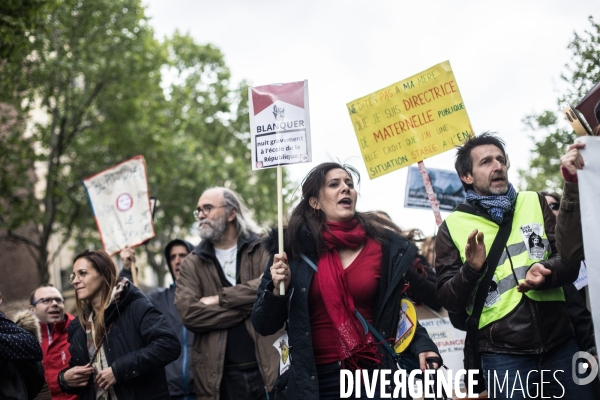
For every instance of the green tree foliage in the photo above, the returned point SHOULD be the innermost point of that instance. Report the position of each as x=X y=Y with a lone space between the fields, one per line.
x=20 y=21
x=553 y=134
x=107 y=90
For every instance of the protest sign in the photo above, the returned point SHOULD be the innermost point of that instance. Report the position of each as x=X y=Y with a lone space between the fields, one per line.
x=279 y=124
x=449 y=341
x=446 y=185
x=121 y=206
x=582 y=278
x=280 y=134
x=411 y=120
x=589 y=193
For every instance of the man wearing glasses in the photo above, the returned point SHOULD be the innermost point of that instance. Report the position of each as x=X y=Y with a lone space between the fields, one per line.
x=214 y=295
x=48 y=305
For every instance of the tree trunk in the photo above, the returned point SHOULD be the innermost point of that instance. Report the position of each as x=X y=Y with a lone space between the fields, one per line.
x=42 y=264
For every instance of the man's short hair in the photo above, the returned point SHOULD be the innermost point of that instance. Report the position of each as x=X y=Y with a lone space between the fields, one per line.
x=32 y=297
x=464 y=162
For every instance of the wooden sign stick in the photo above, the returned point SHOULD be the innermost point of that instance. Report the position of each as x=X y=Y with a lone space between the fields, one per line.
x=435 y=206
x=280 y=219
x=134 y=272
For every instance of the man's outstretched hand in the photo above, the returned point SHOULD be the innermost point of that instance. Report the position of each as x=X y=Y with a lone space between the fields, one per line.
x=535 y=277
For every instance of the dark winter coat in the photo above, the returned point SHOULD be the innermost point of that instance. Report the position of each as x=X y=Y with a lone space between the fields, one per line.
x=139 y=344
x=569 y=234
x=200 y=276
x=180 y=374
x=271 y=313
x=21 y=370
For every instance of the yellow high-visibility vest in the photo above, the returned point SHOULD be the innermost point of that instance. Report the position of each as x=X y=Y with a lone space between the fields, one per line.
x=526 y=245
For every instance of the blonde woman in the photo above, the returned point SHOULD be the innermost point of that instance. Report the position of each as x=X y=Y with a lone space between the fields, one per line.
x=120 y=343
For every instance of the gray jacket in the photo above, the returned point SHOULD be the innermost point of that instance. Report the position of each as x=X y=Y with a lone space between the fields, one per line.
x=180 y=376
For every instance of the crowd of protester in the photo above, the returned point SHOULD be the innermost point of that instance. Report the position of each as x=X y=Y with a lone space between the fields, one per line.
x=245 y=319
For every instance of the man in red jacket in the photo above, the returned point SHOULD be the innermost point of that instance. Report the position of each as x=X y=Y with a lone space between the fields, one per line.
x=48 y=305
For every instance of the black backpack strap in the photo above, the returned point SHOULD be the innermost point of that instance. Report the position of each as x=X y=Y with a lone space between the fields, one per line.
x=492 y=262
x=472 y=359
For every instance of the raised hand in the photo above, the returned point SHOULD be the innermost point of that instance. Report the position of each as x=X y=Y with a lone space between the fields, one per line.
x=128 y=256
x=572 y=160
x=475 y=250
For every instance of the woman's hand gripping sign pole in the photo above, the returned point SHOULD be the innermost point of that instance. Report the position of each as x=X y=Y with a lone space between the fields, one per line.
x=280 y=134
x=128 y=257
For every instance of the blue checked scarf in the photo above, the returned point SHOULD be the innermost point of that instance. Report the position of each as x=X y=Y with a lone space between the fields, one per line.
x=496 y=206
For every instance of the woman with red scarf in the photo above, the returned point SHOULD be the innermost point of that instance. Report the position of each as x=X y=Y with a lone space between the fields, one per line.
x=336 y=261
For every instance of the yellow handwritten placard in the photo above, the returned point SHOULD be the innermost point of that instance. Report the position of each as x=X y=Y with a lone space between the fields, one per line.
x=410 y=121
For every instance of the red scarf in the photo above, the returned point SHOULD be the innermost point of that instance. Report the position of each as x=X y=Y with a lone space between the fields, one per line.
x=355 y=348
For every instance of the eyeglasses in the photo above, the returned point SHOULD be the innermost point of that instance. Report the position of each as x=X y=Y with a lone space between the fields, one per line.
x=205 y=210
x=81 y=274
x=48 y=300
x=554 y=206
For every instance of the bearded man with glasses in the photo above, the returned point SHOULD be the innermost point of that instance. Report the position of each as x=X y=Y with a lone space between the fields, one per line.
x=48 y=305
x=214 y=295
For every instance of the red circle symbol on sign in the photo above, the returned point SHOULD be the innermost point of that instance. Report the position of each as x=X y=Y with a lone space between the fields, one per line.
x=124 y=202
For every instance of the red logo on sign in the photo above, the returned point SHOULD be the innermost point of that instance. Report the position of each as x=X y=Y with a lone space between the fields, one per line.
x=124 y=202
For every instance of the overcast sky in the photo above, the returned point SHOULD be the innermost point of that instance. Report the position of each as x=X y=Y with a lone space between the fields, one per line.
x=507 y=58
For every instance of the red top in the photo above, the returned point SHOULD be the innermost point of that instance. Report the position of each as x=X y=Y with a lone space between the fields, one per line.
x=362 y=279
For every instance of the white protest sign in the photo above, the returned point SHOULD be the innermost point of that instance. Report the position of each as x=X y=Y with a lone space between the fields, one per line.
x=582 y=279
x=449 y=341
x=589 y=193
x=279 y=124
x=121 y=206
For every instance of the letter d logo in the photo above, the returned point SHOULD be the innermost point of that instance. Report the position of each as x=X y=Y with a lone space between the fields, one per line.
x=582 y=367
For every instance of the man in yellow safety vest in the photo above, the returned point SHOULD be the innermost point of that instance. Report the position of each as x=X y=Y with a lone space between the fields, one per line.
x=525 y=337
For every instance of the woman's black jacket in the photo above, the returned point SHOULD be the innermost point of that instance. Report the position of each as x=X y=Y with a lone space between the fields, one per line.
x=138 y=346
x=271 y=313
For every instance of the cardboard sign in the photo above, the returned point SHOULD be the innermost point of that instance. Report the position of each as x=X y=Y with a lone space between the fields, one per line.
x=446 y=185
x=589 y=192
x=279 y=124
x=410 y=121
x=121 y=206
